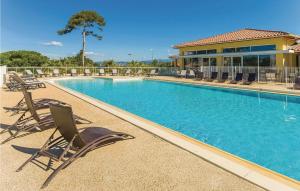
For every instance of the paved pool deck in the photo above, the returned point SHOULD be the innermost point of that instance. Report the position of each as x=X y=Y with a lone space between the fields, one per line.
x=144 y=163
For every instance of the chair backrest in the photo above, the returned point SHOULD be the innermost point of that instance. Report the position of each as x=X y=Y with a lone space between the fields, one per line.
x=153 y=71
x=297 y=80
x=73 y=71
x=251 y=77
x=270 y=76
x=224 y=75
x=18 y=79
x=192 y=73
x=64 y=120
x=28 y=72
x=239 y=77
x=87 y=71
x=55 y=71
x=140 y=71
x=30 y=105
x=39 y=71
x=183 y=72
x=214 y=75
x=101 y=71
x=128 y=71
x=114 y=71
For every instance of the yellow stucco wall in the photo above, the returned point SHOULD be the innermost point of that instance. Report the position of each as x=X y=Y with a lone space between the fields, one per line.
x=281 y=43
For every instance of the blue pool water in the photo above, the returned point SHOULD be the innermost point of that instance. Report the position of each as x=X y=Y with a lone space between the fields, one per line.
x=260 y=127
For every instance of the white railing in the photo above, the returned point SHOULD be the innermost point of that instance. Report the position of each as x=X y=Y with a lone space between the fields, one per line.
x=282 y=74
x=165 y=71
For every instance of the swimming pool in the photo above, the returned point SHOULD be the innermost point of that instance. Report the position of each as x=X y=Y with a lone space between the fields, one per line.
x=260 y=127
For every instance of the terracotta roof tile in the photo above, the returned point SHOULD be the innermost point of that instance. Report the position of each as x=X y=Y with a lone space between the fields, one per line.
x=244 y=34
x=296 y=48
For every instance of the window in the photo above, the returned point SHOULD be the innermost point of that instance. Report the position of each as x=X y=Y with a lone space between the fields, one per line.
x=213 y=61
x=237 y=61
x=212 y=51
x=263 y=48
x=243 y=49
x=227 y=61
x=250 y=61
x=205 y=61
x=201 y=52
x=267 y=60
x=228 y=50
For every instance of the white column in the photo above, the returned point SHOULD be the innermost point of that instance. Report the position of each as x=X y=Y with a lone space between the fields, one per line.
x=258 y=68
x=2 y=75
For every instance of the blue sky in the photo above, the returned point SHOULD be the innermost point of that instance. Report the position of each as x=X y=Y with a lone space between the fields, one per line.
x=137 y=26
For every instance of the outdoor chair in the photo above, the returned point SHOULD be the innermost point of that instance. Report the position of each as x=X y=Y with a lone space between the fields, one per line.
x=28 y=73
x=74 y=72
x=114 y=72
x=250 y=80
x=72 y=143
x=199 y=75
x=153 y=73
x=28 y=84
x=41 y=103
x=238 y=78
x=271 y=77
x=35 y=121
x=87 y=72
x=297 y=83
x=190 y=74
x=224 y=77
x=101 y=72
x=182 y=74
x=214 y=76
x=128 y=72
x=40 y=73
x=12 y=84
x=139 y=72
x=55 y=73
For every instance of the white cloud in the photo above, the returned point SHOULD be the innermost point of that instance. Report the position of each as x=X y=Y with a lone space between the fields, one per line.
x=91 y=53
x=53 y=43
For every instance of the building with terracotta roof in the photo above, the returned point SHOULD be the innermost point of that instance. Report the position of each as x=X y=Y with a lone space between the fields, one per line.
x=246 y=47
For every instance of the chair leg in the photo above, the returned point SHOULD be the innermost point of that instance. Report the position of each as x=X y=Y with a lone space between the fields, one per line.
x=26 y=162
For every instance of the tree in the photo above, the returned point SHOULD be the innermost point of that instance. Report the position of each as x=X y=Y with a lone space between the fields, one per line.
x=86 y=21
x=23 y=58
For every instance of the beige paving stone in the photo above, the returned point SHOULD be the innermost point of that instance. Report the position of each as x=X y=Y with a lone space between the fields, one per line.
x=144 y=163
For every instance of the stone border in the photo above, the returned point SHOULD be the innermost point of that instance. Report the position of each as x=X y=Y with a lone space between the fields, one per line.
x=247 y=170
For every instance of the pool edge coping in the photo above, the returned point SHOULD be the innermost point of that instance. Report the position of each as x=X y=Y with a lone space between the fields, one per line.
x=254 y=173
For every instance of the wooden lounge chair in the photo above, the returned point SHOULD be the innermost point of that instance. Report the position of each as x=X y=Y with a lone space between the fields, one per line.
x=213 y=76
x=128 y=72
x=114 y=72
x=87 y=72
x=297 y=83
x=74 y=72
x=34 y=121
x=72 y=142
x=238 y=78
x=101 y=72
x=55 y=73
x=28 y=84
x=153 y=73
x=223 y=78
x=182 y=74
x=190 y=74
x=40 y=73
x=250 y=80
